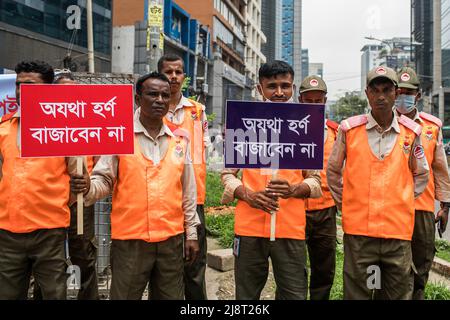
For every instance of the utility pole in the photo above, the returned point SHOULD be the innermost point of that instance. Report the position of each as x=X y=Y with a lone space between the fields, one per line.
x=155 y=32
x=437 y=58
x=90 y=36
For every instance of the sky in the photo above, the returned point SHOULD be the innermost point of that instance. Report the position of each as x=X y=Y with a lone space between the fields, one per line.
x=334 y=31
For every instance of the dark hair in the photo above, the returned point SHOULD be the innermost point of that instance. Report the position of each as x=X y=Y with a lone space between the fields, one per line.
x=380 y=80
x=63 y=74
x=169 y=57
x=275 y=68
x=36 y=66
x=153 y=75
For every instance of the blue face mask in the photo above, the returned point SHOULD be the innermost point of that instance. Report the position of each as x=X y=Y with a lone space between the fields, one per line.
x=405 y=103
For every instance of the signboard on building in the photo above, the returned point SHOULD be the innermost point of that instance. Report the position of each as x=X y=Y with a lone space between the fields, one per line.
x=8 y=103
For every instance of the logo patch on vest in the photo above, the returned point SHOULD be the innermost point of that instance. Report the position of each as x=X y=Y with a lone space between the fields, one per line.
x=194 y=114
x=405 y=144
x=428 y=132
x=419 y=153
x=178 y=150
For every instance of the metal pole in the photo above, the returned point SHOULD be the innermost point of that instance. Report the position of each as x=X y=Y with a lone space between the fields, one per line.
x=155 y=29
x=90 y=36
x=437 y=57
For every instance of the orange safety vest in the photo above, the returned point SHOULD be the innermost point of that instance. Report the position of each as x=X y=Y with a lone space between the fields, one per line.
x=378 y=195
x=34 y=192
x=326 y=201
x=192 y=123
x=147 y=199
x=429 y=136
x=291 y=218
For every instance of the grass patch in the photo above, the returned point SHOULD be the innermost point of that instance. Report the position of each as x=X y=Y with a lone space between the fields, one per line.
x=436 y=291
x=221 y=227
x=443 y=249
x=214 y=189
x=337 y=291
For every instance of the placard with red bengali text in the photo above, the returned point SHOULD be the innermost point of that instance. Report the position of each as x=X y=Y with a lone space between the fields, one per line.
x=76 y=120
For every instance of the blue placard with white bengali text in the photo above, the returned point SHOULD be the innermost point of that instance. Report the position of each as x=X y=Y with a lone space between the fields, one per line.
x=274 y=135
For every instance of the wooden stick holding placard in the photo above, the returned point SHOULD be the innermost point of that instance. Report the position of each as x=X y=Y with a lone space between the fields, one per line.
x=80 y=201
x=273 y=214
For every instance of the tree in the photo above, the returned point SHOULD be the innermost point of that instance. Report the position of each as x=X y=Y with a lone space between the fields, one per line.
x=349 y=105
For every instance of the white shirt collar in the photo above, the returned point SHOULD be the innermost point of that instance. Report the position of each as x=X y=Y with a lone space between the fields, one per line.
x=139 y=127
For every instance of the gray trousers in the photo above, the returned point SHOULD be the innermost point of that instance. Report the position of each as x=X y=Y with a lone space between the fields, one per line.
x=134 y=263
x=379 y=269
x=252 y=267
x=321 y=241
x=40 y=252
x=423 y=250
x=194 y=274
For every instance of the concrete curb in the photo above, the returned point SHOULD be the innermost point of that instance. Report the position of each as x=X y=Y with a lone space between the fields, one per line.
x=222 y=259
x=441 y=267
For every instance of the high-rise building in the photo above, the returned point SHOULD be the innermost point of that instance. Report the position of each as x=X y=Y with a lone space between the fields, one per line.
x=431 y=31
x=305 y=63
x=271 y=24
x=422 y=32
x=370 y=59
x=183 y=35
x=445 y=42
x=55 y=32
x=227 y=19
x=255 y=39
x=444 y=90
x=291 y=35
x=316 y=68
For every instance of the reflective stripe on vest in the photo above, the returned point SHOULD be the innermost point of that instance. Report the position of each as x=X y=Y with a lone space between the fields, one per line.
x=193 y=125
x=378 y=195
x=326 y=201
x=428 y=138
x=34 y=192
x=147 y=199
x=291 y=217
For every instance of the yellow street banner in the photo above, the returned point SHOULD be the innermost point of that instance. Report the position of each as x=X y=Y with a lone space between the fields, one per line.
x=155 y=16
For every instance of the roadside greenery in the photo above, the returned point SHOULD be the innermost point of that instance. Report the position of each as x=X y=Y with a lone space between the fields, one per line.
x=443 y=249
x=214 y=190
x=221 y=227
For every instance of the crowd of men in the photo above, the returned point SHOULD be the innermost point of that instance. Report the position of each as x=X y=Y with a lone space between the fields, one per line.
x=383 y=170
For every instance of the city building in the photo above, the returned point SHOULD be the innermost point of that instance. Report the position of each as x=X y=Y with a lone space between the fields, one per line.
x=316 y=68
x=271 y=24
x=183 y=36
x=370 y=59
x=291 y=35
x=305 y=63
x=56 y=32
x=228 y=79
x=422 y=32
x=430 y=31
x=394 y=53
x=444 y=90
x=255 y=40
